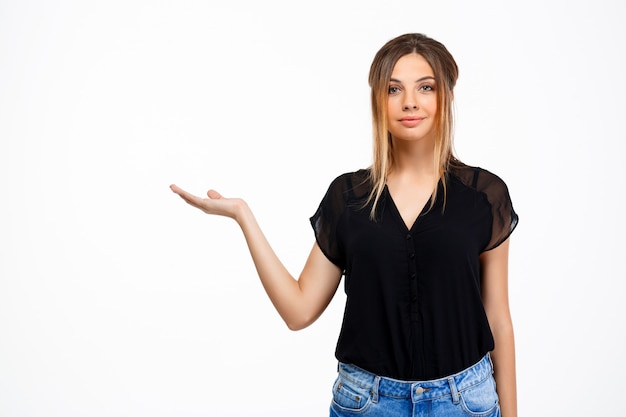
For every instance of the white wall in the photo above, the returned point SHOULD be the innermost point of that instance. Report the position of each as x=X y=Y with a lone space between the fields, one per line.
x=117 y=299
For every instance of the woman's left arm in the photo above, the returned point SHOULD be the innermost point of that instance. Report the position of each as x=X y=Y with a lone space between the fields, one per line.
x=495 y=293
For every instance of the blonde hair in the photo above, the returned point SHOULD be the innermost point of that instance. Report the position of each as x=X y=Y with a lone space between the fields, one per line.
x=446 y=73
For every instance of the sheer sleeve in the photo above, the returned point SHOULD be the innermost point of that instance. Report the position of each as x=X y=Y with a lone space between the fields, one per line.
x=326 y=221
x=504 y=217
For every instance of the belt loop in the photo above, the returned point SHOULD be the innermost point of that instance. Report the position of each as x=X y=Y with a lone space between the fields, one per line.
x=456 y=397
x=490 y=362
x=374 y=390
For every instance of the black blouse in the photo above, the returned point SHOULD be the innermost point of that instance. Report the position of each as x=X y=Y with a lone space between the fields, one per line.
x=414 y=309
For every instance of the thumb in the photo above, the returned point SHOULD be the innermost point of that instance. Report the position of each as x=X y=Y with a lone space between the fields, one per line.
x=214 y=195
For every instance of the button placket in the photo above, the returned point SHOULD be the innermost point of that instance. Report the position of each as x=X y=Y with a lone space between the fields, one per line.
x=410 y=248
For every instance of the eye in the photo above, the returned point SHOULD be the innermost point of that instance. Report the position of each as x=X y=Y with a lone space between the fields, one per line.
x=427 y=88
x=393 y=89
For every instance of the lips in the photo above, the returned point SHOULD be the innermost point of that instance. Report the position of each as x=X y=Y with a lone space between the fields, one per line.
x=411 y=121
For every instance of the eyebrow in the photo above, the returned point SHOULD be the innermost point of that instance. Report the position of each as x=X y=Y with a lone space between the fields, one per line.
x=417 y=81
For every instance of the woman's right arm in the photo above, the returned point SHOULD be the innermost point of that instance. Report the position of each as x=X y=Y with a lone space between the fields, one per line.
x=298 y=301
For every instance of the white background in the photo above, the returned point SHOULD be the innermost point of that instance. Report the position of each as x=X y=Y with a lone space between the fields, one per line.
x=117 y=299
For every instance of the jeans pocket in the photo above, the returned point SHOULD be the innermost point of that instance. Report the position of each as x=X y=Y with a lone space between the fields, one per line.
x=349 y=397
x=481 y=399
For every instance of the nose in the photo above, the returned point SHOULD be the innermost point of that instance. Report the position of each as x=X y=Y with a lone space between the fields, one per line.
x=410 y=103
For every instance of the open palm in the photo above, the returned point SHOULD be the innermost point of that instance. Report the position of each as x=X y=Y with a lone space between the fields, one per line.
x=214 y=204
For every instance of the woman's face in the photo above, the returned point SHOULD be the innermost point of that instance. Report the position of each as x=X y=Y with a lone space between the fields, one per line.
x=412 y=100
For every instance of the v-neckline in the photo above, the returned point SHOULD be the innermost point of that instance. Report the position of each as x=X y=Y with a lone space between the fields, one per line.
x=398 y=215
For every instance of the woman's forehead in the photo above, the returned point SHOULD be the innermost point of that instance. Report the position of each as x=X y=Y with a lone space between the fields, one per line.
x=412 y=65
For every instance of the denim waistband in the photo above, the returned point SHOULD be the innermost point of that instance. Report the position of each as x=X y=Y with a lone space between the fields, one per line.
x=418 y=390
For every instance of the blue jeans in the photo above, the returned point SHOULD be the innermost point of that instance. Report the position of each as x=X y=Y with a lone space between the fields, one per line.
x=471 y=392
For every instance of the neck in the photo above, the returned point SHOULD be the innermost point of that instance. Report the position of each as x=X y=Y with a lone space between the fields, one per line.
x=413 y=159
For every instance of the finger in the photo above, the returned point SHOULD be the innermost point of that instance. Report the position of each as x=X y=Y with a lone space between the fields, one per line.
x=188 y=197
x=176 y=189
x=182 y=193
x=214 y=195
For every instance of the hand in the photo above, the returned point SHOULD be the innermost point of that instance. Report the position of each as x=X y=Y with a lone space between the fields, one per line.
x=215 y=204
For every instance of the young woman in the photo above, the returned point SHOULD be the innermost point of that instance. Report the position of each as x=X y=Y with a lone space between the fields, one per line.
x=422 y=241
